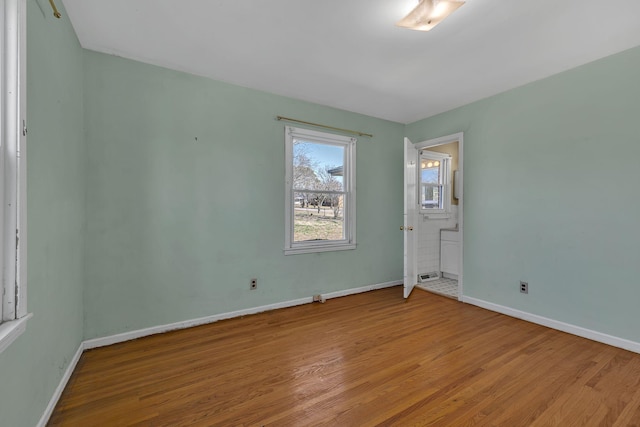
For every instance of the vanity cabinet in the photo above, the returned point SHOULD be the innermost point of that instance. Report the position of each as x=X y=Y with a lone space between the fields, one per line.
x=449 y=253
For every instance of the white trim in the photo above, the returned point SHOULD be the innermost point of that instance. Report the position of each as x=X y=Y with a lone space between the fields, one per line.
x=11 y=330
x=319 y=248
x=113 y=339
x=440 y=140
x=459 y=137
x=21 y=258
x=4 y=89
x=13 y=159
x=349 y=191
x=127 y=336
x=63 y=383
x=445 y=163
x=320 y=136
x=556 y=324
x=435 y=215
x=353 y=291
x=433 y=154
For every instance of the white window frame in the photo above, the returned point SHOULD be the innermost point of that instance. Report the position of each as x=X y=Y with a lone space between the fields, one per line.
x=13 y=212
x=349 y=182
x=445 y=161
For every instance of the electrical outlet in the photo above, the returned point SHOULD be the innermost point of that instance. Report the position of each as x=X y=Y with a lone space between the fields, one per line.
x=254 y=284
x=524 y=287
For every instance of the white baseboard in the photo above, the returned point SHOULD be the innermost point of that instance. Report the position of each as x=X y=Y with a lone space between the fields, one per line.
x=63 y=383
x=354 y=291
x=127 y=336
x=113 y=339
x=555 y=324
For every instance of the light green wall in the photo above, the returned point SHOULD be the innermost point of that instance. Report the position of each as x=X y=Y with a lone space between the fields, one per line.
x=178 y=227
x=175 y=228
x=551 y=185
x=31 y=368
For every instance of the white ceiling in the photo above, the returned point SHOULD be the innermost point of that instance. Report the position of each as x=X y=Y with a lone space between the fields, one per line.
x=349 y=54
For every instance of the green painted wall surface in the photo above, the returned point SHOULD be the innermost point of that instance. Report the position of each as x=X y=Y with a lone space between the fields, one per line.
x=177 y=226
x=551 y=177
x=181 y=181
x=31 y=368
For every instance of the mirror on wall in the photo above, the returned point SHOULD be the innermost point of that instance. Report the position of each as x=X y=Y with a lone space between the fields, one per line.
x=435 y=181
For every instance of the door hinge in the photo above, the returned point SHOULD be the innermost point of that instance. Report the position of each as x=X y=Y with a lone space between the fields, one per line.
x=24 y=128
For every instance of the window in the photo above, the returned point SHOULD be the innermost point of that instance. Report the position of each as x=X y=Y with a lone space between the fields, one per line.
x=435 y=182
x=320 y=191
x=13 y=314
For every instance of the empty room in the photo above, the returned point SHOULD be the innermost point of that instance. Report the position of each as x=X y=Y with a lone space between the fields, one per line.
x=340 y=213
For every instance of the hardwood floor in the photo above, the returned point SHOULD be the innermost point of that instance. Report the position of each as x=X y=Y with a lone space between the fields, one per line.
x=363 y=360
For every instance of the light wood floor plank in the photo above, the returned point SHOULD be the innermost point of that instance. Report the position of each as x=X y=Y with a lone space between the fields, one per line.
x=363 y=360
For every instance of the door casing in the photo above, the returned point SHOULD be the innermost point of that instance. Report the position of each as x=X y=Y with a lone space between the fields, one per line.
x=411 y=249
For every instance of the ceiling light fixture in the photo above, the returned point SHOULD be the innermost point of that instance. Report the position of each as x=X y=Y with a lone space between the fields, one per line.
x=429 y=13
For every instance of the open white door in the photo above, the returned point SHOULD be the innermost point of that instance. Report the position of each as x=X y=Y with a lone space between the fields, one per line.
x=410 y=215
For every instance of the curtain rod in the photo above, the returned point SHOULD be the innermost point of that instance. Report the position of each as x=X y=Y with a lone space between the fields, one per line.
x=355 y=132
x=55 y=10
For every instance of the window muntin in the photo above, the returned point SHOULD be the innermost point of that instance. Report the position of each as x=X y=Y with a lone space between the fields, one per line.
x=320 y=182
x=434 y=182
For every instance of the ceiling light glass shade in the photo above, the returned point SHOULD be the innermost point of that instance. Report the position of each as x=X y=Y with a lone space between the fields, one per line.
x=429 y=13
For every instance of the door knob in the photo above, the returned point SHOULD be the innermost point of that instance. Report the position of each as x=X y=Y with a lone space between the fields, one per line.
x=401 y=228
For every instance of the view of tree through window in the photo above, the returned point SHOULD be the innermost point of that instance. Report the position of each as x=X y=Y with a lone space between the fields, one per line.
x=319 y=192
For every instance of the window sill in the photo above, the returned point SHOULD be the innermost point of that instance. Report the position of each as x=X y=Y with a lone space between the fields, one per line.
x=11 y=330
x=436 y=215
x=313 y=249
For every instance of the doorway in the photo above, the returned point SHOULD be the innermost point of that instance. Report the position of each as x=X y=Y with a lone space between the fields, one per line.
x=433 y=220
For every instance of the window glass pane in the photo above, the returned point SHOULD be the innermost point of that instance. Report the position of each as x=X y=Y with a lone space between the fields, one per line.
x=320 y=190
x=432 y=182
x=318 y=216
x=318 y=166
x=430 y=196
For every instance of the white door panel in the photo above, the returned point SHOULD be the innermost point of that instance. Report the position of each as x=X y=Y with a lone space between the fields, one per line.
x=410 y=215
